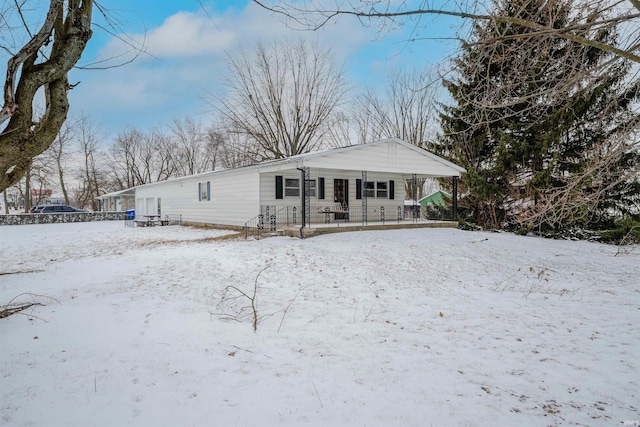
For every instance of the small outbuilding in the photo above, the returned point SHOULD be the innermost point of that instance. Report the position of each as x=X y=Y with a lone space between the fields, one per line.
x=438 y=198
x=118 y=201
x=356 y=183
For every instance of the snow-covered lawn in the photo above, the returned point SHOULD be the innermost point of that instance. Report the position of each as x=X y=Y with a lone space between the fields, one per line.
x=380 y=328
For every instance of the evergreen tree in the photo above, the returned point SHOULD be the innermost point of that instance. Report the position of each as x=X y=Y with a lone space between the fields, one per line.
x=543 y=126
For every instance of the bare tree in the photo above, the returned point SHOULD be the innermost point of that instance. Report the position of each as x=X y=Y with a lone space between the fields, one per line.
x=282 y=97
x=406 y=109
x=236 y=150
x=137 y=158
x=35 y=184
x=388 y=15
x=41 y=63
x=195 y=147
x=122 y=159
x=59 y=155
x=91 y=176
x=214 y=141
x=340 y=133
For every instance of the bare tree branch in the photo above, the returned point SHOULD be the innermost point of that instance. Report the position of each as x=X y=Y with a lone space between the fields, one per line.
x=283 y=98
x=311 y=16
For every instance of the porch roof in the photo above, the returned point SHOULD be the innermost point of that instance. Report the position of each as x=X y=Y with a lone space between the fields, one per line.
x=390 y=155
x=127 y=192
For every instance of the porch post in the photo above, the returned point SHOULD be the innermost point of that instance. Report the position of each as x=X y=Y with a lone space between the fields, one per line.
x=455 y=198
x=307 y=194
x=306 y=208
x=414 y=190
x=364 y=197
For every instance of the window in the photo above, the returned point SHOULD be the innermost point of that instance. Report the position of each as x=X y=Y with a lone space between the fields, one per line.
x=204 y=191
x=291 y=187
x=369 y=189
x=376 y=189
x=381 y=190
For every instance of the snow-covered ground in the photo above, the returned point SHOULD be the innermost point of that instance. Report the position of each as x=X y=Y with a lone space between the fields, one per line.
x=379 y=328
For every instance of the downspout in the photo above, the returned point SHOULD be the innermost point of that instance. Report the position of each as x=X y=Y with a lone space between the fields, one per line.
x=304 y=201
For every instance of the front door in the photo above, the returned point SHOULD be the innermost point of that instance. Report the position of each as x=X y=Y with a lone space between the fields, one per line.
x=341 y=195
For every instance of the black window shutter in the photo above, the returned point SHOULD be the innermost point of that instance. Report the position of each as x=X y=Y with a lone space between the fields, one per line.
x=392 y=189
x=279 y=187
x=320 y=188
x=199 y=191
x=358 y=189
x=208 y=190
x=346 y=191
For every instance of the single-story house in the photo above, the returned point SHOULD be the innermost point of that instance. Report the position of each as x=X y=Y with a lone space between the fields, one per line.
x=438 y=198
x=118 y=201
x=355 y=183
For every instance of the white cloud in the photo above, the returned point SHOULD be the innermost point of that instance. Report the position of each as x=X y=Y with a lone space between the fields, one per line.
x=182 y=35
x=187 y=34
x=187 y=58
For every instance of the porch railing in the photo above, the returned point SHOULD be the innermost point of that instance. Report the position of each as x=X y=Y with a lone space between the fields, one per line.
x=271 y=219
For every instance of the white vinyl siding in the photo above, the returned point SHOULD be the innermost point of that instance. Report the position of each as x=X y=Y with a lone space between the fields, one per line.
x=237 y=195
x=268 y=189
x=233 y=197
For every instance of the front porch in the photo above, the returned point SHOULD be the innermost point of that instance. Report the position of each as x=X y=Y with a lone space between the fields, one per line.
x=290 y=221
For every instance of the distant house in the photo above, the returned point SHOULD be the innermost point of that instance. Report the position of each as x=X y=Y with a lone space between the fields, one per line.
x=439 y=198
x=118 y=201
x=355 y=183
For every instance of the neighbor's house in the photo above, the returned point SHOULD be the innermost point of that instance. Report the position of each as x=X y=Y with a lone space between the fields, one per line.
x=438 y=198
x=118 y=201
x=355 y=183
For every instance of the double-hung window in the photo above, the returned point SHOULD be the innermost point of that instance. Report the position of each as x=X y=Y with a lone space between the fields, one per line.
x=291 y=187
x=370 y=189
x=377 y=189
x=381 y=189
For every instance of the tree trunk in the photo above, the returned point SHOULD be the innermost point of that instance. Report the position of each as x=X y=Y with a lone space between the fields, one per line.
x=68 y=26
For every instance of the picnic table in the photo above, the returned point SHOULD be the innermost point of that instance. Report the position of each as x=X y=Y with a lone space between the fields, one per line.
x=149 y=221
x=340 y=212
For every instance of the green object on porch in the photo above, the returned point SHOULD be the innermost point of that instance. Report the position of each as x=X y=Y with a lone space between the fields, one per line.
x=439 y=198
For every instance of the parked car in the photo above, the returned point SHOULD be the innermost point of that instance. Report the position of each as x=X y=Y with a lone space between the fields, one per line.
x=58 y=209
x=36 y=209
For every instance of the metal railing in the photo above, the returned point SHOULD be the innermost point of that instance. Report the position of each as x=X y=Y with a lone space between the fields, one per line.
x=271 y=219
x=437 y=213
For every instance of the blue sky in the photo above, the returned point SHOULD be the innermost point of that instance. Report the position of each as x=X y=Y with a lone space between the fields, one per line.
x=187 y=42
